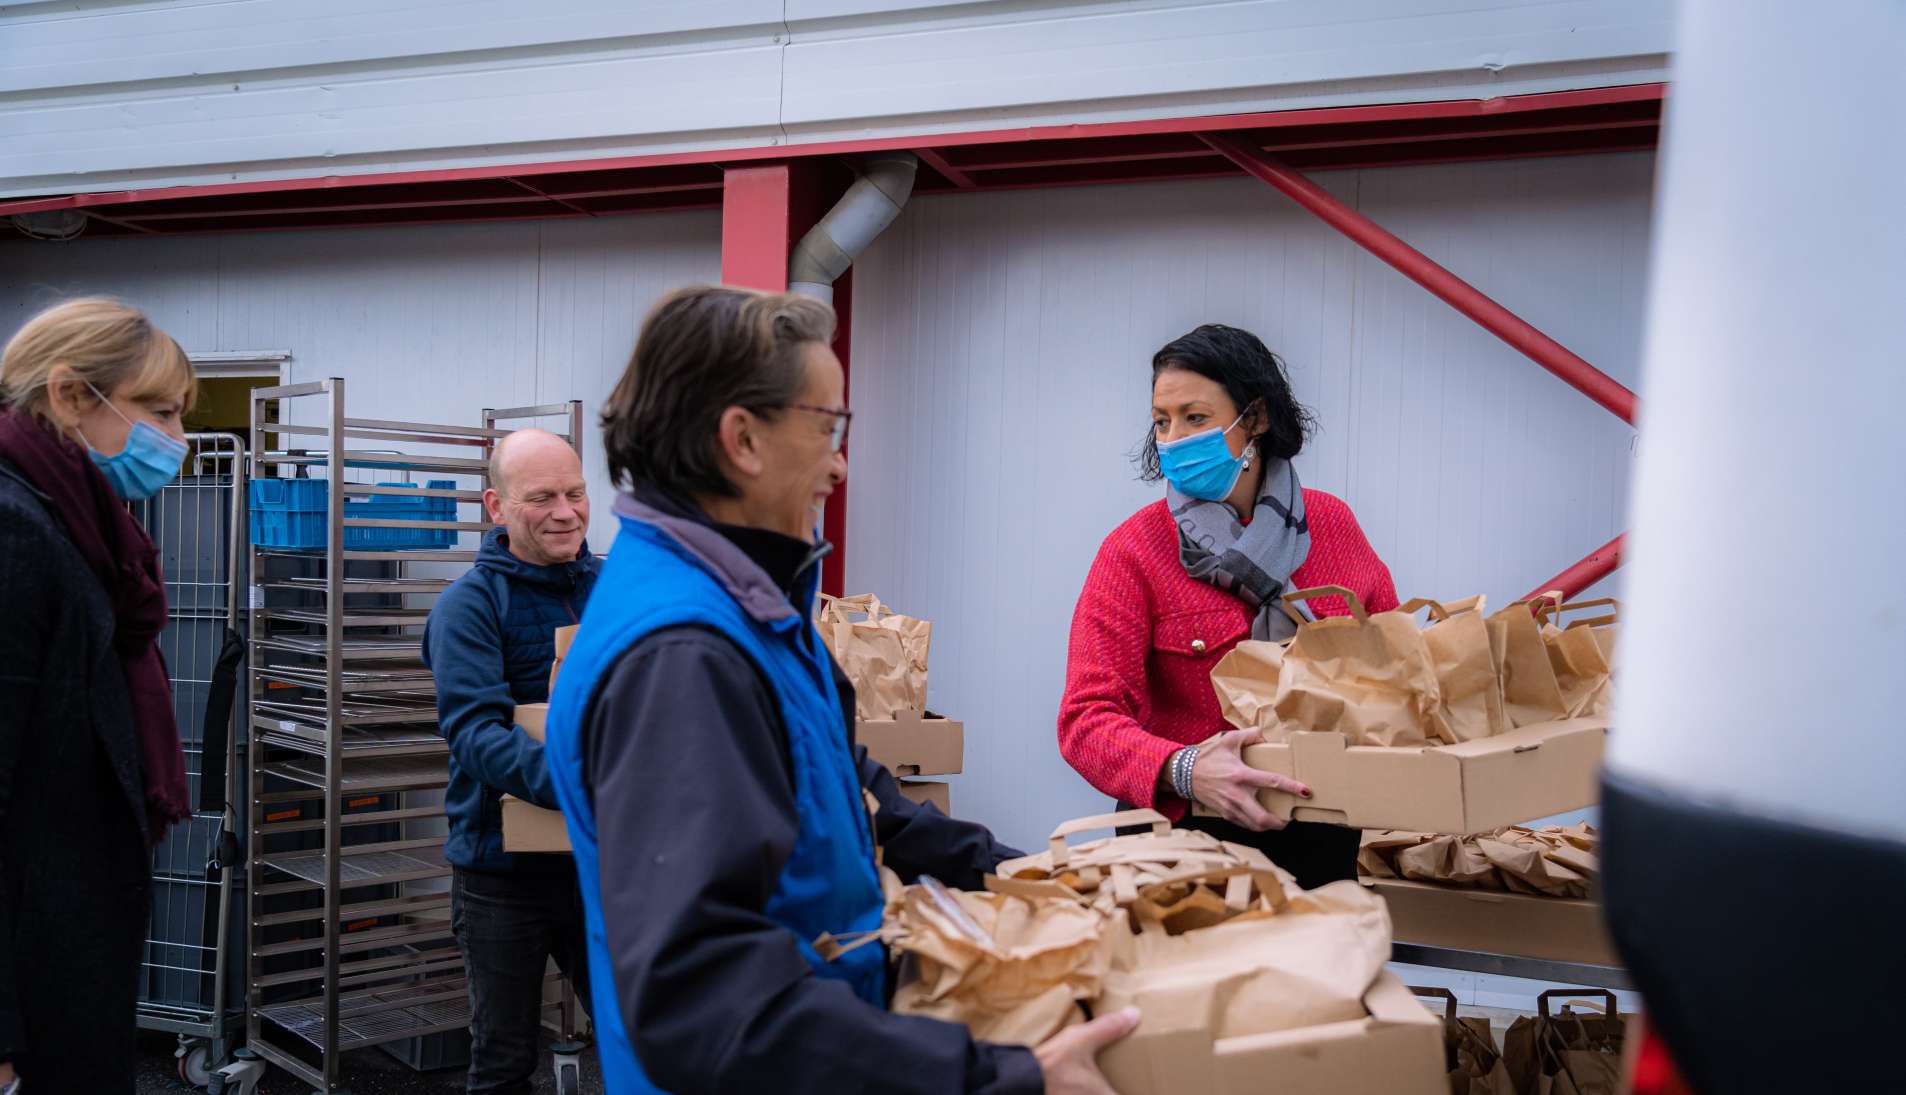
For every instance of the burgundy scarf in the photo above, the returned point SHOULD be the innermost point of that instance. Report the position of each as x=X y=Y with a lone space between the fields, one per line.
x=127 y=563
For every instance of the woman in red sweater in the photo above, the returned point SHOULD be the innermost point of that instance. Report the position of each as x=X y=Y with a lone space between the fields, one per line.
x=1183 y=580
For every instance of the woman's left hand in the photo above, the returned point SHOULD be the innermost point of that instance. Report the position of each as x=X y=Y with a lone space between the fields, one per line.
x=1222 y=781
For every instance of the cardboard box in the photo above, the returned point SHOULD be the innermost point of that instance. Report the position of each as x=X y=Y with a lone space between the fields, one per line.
x=564 y=637
x=1473 y=787
x=928 y=791
x=913 y=744
x=1559 y=929
x=1397 y=1049
x=527 y=827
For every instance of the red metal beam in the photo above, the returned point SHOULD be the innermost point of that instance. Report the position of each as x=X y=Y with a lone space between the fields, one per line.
x=765 y=210
x=1420 y=268
x=1597 y=565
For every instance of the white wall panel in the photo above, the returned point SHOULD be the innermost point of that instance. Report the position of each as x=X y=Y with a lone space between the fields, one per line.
x=430 y=324
x=147 y=93
x=1031 y=61
x=1001 y=378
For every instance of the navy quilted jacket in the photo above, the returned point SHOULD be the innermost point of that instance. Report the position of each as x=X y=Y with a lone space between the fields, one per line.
x=489 y=643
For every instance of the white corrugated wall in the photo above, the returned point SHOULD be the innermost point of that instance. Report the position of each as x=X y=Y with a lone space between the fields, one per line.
x=425 y=324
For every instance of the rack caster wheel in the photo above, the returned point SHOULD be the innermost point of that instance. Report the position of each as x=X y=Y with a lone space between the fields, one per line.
x=241 y=1077
x=568 y=1067
x=195 y=1062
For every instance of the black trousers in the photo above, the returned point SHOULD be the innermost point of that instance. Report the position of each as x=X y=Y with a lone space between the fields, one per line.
x=1313 y=852
x=509 y=926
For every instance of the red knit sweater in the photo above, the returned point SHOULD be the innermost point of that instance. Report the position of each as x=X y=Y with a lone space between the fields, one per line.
x=1146 y=636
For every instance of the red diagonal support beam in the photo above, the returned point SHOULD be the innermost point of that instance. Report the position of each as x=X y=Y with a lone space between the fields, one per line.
x=1465 y=298
x=1599 y=564
x=1420 y=268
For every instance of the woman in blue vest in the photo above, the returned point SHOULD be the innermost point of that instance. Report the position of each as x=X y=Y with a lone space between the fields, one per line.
x=700 y=740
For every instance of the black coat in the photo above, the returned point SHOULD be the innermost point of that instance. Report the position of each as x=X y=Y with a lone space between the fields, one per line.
x=74 y=862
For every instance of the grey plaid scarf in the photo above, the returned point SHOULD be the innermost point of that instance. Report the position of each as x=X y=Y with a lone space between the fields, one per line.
x=1254 y=561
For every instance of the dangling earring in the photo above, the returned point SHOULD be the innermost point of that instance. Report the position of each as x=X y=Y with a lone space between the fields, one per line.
x=1250 y=453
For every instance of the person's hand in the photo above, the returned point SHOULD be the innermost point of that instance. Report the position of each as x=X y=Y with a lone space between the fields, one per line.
x=1221 y=780
x=1069 y=1059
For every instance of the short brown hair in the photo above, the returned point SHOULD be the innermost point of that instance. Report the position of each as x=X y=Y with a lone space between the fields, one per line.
x=702 y=350
x=110 y=345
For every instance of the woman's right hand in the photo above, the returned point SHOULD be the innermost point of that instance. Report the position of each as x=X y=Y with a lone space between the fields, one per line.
x=1222 y=781
x=1069 y=1059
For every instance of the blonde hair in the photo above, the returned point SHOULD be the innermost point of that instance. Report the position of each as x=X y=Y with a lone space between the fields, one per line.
x=113 y=347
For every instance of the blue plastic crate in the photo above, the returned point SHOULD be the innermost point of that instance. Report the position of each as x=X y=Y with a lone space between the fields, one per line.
x=288 y=515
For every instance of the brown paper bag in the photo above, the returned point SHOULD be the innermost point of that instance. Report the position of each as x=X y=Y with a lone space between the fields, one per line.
x=1530 y=692
x=1306 y=964
x=882 y=652
x=1475 y=1064
x=1013 y=969
x=1570 y=1053
x=1458 y=641
x=1582 y=654
x=1368 y=677
x=1109 y=873
x=1552 y=861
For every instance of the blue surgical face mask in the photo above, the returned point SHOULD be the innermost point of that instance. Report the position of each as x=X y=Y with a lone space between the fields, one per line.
x=149 y=461
x=1201 y=466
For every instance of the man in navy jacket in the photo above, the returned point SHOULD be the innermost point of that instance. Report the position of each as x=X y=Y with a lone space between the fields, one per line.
x=490 y=643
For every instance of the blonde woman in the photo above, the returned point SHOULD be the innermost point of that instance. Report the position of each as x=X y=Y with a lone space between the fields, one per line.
x=92 y=406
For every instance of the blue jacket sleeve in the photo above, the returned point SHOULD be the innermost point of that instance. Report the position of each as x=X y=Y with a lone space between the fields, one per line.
x=463 y=645
x=917 y=839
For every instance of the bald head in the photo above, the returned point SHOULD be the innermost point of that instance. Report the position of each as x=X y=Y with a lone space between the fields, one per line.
x=537 y=493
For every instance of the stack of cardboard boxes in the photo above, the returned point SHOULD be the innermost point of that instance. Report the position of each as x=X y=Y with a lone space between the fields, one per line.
x=527 y=827
x=914 y=744
x=1526 y=700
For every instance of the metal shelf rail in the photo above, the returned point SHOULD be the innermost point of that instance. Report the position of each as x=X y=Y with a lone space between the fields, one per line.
x=348 y=921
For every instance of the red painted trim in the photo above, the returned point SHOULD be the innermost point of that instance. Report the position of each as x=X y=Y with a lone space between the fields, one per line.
x=1458 y=108
x=834 y=520
x=1598 y=564
x=1420 y=268
x=755 y=212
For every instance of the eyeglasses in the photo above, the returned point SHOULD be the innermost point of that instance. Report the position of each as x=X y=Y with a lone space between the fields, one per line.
x=843 y=418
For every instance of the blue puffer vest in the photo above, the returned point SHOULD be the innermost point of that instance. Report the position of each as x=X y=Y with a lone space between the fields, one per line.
x=537 y=600
x=829 y=884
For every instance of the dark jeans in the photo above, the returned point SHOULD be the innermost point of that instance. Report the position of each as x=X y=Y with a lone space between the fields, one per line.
x=509 y=925
x=1313 y=852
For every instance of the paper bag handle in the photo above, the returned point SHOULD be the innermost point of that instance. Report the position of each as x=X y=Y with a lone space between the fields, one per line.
x=1349 y=598
x=1267 y=881
x=1032 y=890
x=1542 y=614
x=1447 y=997
x=1416 y=604
x=839 y=609
x=1061 y=853
x=1542 y=1001
x=1535 y=603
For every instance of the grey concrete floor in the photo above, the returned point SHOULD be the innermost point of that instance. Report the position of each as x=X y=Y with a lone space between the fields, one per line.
x=366 y=1072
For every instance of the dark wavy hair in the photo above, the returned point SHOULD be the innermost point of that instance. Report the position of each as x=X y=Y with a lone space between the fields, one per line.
x=1250 y=374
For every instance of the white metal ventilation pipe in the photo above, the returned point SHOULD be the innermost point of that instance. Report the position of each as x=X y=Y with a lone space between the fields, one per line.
x=865 y=211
